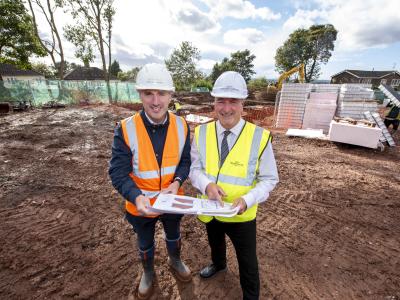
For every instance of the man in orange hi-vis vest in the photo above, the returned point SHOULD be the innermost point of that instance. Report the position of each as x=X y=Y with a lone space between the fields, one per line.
x=151 y=155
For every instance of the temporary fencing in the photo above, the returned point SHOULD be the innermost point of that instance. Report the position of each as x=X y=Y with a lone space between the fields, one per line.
x=40 y=92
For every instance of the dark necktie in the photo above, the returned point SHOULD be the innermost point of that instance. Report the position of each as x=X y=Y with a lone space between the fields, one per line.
x=224 y=147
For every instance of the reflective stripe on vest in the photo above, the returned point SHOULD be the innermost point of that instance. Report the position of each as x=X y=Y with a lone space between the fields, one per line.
x=146 y=173
x=238 y=173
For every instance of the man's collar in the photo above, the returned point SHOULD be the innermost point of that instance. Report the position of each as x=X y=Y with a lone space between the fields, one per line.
x=154 y=123
x=235 y=129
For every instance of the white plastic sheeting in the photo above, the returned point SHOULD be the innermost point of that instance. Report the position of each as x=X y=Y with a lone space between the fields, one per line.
x=307 y=133
x=319 y=111
x=197 y=119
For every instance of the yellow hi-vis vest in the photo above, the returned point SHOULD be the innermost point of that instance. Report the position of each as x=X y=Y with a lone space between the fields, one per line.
x=237 y=176
x=177 y=106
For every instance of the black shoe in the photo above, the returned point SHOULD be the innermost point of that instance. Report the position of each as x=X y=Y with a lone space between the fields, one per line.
x=210 y=271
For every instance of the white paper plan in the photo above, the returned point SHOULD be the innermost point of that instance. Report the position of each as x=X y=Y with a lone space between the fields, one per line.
x=169 y=203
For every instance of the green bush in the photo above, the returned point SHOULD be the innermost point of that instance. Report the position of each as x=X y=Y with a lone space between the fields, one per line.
x=202 y=83
x=257 y=83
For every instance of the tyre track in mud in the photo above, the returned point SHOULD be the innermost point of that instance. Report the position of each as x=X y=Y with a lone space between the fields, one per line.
x=328 y=231
x=335 y=243
x=59 y=231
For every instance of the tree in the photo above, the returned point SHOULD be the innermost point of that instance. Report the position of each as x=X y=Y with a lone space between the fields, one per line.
x=114 y=68
x=218 y=69
x=54 y=46
x=44 y=69
x=78 y=35
x=311 y=46
x=68 y=67
x=203 y=83
x=128 y=75
x=243 y=63
x=182 y=65
x=257 y=83
x=17 y=40
x=240 y=61
x=95 y=22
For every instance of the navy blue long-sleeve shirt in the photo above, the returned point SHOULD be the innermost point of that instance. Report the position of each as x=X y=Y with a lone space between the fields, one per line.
x=121 y=158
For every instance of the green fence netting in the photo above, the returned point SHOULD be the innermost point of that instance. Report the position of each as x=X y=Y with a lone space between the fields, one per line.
x=40 y=92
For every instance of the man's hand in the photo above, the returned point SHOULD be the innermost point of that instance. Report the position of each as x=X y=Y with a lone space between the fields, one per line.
x=214 y=192
x=142 y=205
x=239 y=202
x=172 y=188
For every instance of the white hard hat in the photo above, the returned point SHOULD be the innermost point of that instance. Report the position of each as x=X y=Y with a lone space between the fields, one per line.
x=230 y=85
x=154 y=77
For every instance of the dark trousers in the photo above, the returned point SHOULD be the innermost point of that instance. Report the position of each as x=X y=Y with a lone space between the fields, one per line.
x=243 y=237
x=395 y=123
x=145 y=229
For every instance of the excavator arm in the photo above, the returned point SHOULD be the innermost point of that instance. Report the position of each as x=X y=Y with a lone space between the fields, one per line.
x=299 y=68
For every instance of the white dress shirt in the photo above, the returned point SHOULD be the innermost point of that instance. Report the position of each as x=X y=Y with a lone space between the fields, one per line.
x=267 y=176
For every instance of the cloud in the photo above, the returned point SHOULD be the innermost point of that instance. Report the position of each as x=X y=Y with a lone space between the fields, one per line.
x=148 y=31
x=361 y=24
x=302 y=19
x=196 y=19
x=243 y=37
x=138 y=54
x=206 y=64
x=127 y=61
x=240 y=9
x=365 y=24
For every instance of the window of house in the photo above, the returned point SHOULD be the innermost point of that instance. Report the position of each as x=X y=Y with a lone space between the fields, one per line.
x=366 y=80
x=395 y=82
x=383 y=81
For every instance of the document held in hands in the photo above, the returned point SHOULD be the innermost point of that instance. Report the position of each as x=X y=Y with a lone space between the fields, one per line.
x=169 y=203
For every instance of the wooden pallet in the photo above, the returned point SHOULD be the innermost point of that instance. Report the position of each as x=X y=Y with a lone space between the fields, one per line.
x=354 y=122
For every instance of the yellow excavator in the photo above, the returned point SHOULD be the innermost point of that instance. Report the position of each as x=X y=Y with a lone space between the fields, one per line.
x=299 y=68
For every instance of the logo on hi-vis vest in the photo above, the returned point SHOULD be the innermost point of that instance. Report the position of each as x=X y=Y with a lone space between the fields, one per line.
x=236 y=163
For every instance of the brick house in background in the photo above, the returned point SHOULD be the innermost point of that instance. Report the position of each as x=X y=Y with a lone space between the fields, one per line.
x=375 y=78
x=87 y=73
x=10 y=73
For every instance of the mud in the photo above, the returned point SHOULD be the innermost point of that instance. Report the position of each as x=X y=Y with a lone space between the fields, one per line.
x=330 y=230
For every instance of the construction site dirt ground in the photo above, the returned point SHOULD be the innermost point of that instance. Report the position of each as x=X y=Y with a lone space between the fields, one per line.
x=330 y=229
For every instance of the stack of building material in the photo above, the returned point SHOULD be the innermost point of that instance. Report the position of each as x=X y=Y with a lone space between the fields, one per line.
x=326 y=88
x=354 y=99
x=354 y=134
x=292 y=104
x=386 y=136
x=319 y=110
x=389 y=92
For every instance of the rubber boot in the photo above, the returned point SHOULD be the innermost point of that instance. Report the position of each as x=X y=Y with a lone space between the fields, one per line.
x=181 y=271
x=146 y=281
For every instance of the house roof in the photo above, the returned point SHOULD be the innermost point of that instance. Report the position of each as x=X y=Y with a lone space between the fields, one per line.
x=87 y=73
x=367 y=74
x=11 y=70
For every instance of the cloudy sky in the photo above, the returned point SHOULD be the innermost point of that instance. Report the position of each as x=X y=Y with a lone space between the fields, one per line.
x=148 y=31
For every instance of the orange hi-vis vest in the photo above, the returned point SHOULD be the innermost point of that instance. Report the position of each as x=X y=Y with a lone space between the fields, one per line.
x=148 y=176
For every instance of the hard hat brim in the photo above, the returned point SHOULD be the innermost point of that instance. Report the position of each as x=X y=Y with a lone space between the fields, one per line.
x=229 y=95
x=152 y=87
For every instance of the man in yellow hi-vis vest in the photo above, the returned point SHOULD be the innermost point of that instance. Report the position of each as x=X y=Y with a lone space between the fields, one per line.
x=233 y=161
